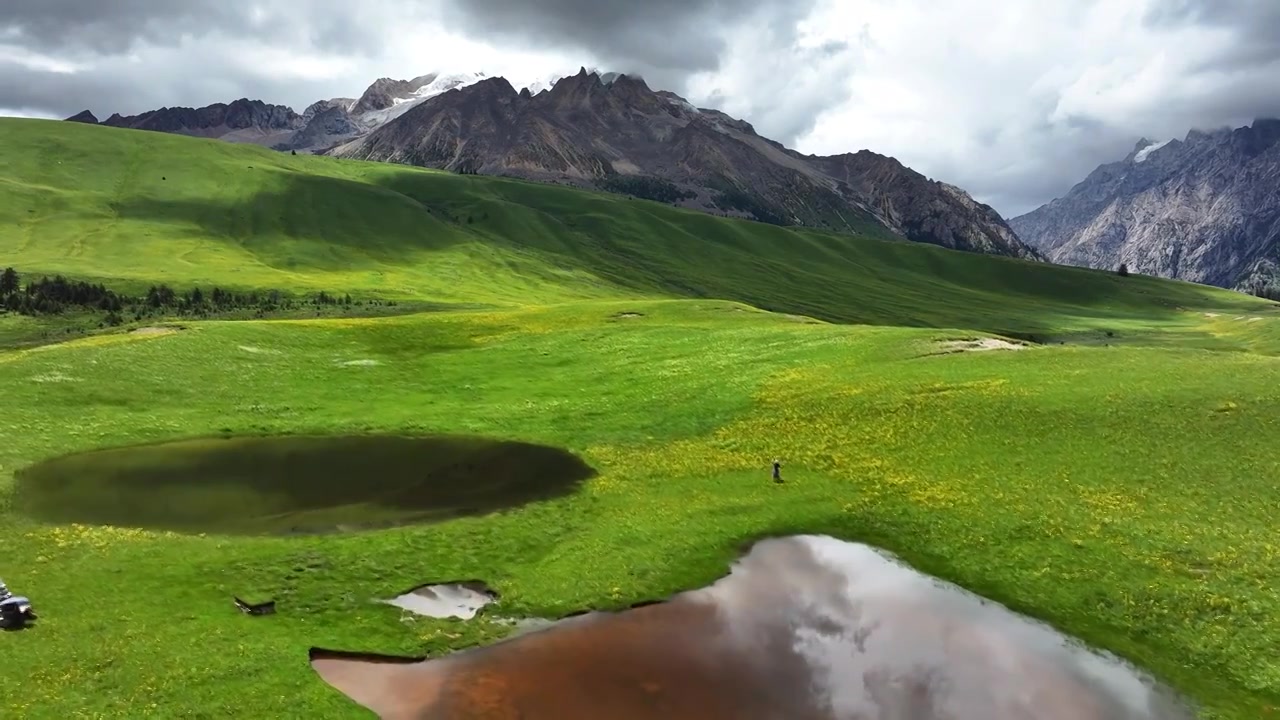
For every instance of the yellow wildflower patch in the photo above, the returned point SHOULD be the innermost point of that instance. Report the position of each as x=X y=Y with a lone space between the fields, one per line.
x=96 y=536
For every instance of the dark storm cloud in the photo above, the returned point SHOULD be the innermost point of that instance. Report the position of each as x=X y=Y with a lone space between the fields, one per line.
x=115 y=26
x=1254 y=24
x=1260 y=16
x=665 y=40
x=108 y=90
x=189 y=52
x=105 y=26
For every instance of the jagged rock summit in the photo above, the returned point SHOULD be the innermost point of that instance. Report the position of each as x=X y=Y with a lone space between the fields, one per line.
x=612 y=131
x=243 y=120
x=1205 y=209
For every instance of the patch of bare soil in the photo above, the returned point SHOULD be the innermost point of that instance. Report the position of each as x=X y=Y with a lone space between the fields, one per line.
x=54 y=377
x=980 y=345
x=254 y=350
x=802 y=319
x=156 y=330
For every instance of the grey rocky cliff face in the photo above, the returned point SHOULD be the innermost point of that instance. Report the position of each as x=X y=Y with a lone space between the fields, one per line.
x=925 y=210
x=243 y=114
x=1204 y=209
x=320 y=106
x=327 y=123
x=613 y=132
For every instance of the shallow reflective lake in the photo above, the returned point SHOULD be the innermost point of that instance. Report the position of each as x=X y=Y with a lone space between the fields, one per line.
x=805 y=627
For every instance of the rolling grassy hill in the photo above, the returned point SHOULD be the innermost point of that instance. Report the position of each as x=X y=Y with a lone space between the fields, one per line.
x=92 y=202
x=1118 y=485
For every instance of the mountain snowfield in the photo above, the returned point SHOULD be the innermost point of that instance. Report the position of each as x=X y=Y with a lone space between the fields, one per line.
x=437 y=83
x=440 y=84
x=1151 y=147
x=444 y=82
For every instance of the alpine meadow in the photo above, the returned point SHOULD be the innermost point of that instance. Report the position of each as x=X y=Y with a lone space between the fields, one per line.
x=323 y=381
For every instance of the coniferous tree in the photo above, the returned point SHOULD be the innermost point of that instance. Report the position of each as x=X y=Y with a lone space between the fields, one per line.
x=8 y=281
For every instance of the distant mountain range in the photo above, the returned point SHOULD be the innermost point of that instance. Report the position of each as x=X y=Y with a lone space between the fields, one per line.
x=1204 y=209
x=609 y=132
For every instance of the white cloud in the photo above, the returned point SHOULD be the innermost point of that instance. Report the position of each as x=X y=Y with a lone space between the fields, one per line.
x=783 y=89
x=39 y=62
x=26 y=113
x=1010 y=99
x=1016 y=101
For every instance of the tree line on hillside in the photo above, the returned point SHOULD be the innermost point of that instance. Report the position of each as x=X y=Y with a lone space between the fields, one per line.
x=747 y=202
x=1264 y=290
x=52 y=296
x=648 y=188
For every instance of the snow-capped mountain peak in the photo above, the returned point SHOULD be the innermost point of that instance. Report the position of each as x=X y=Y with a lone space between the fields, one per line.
x=1146 y=151
x=429 y=86
x=539 y=86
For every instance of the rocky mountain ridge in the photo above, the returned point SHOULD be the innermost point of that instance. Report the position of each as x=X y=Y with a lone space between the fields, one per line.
x=609 y=132
x=1205 y=209
x=613 y=132
x=242 y=120
x=323 y=125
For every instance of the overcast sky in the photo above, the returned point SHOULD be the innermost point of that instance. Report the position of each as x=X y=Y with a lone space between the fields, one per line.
x=1013 y=100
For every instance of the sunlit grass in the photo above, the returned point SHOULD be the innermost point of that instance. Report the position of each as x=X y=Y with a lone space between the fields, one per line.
x=1114 y=491
x=1116 y=478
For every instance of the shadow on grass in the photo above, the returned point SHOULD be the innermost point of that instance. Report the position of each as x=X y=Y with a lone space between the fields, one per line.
x=295 y=484
x=794 y=270
x=341 y=220
x=298 y=221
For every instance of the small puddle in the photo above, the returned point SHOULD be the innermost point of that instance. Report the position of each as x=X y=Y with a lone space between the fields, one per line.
x=295 y=484
x=457 y=600
x=807 y=627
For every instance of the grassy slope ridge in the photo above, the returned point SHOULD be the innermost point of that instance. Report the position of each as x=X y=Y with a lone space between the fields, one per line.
x=1121 y=492
x=91 y=201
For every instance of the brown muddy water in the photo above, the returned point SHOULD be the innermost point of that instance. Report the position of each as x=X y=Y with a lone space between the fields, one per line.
x=806 y=627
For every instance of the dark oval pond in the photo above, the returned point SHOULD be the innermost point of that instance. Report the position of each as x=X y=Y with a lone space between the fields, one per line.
x=295 y=484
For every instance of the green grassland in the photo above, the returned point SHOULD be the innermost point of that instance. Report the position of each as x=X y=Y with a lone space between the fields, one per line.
x=1117 y=480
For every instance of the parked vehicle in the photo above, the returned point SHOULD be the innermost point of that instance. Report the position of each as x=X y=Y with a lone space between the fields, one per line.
x=15 y=610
